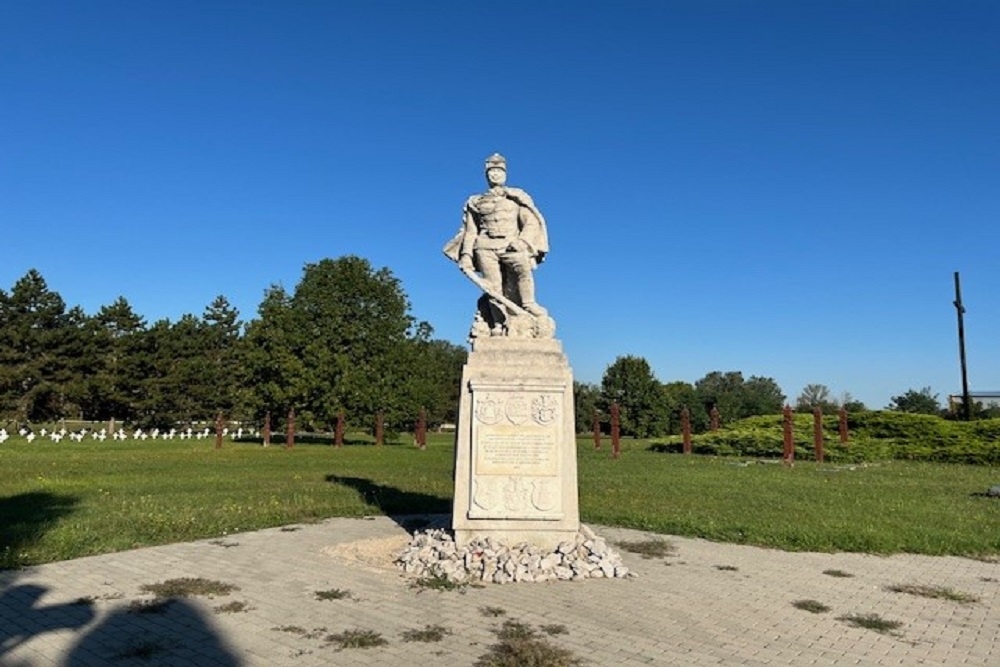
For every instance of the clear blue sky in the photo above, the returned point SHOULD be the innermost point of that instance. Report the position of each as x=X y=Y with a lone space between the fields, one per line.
x=781 y=188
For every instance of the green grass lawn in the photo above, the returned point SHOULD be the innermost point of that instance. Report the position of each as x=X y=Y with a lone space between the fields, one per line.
x=67 y=500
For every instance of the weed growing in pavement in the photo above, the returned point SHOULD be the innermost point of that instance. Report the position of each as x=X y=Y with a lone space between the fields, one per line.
x=430 y=633
x=291 y=629
x=519 y=646
x=441 y=583
x=935 y=592
x=986 y=558
x=188 y=587
x=838 y=573
x=234 y=607
x=871 y=622
x=315 y=633
x=492 y=611
x=515 y=630
x=157 y=606
x=334 y=594
x=224 y=544
x=813 y=606
x=727 y=568
x=143 y=650
x=649 y=548
x=553 y=629
x=357 y=639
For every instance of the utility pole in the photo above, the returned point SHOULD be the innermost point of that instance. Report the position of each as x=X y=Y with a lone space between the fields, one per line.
x=966 y=402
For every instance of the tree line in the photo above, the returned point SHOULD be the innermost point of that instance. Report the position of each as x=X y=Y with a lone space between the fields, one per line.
x=343 y=340
x=648 y=407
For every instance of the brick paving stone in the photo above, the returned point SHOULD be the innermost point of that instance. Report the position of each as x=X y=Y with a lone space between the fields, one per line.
x=681 y=610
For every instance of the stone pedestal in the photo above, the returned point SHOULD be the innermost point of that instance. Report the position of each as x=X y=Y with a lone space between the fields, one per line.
x=515 y=452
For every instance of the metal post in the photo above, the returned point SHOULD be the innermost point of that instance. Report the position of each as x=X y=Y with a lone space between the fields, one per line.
x=966 y=401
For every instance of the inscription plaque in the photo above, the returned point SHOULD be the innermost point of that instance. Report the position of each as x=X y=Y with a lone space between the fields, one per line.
x=516 y=450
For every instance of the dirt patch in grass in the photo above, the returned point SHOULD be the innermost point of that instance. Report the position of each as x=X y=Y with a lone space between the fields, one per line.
x=649 y=548
x=812 y=606
x=357 y=639
x=934 y=592
x=430 y=633
x=872 y=622
x=188 y=587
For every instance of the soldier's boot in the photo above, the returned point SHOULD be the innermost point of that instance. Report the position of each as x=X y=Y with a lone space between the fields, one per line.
x=526 y=288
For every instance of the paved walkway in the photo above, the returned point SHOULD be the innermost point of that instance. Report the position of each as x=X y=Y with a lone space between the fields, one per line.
x=708 y=604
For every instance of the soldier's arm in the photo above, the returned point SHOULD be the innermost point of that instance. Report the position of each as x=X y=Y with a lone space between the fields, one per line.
x=469 y=231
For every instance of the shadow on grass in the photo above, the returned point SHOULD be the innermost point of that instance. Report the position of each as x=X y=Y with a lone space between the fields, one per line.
x=24 y=518
x=278 y=440
x=397 y=504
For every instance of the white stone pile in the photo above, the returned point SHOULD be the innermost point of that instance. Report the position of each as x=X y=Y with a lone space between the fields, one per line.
x=433 y=553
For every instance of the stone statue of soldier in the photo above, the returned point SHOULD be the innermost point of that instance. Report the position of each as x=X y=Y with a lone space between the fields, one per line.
x=503 y=237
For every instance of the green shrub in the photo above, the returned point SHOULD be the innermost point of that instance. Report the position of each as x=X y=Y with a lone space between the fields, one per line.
x=873 y=436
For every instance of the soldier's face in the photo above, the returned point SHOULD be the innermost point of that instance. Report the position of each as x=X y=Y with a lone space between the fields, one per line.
x=496 y=176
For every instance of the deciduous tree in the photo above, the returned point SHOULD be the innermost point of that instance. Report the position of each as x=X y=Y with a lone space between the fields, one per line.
x=630 y=382
x=923 y=401
x=816 y=396
x=737 y=398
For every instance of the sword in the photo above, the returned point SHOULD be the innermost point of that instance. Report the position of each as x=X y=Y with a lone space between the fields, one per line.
x=490 y=292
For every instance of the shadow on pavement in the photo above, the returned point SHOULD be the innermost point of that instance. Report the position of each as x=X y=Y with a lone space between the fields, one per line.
x=177 y=633
x=22 y=617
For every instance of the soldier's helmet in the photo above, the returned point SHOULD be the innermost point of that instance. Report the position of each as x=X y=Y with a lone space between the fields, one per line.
x=496 y=161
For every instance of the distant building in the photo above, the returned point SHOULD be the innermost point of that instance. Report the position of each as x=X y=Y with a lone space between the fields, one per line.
x=988 y=399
